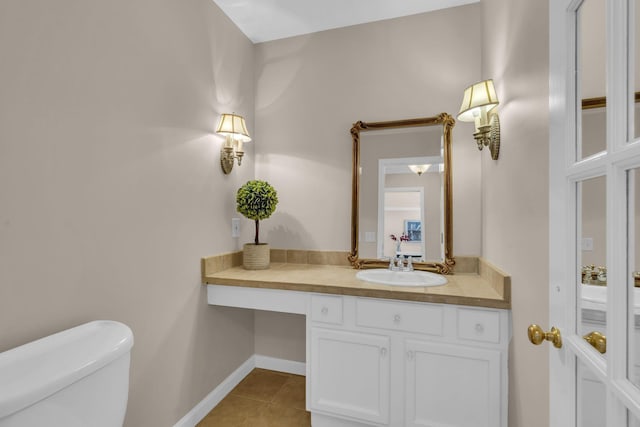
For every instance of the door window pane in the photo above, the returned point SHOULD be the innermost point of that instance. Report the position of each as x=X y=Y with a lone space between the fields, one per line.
x=592 y=250
x=591 y=398
x=591 y=83
x=634 y=54
x=633 y=279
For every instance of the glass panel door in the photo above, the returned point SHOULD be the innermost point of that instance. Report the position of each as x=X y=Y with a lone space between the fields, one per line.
x=596 y=245
x=595 y=212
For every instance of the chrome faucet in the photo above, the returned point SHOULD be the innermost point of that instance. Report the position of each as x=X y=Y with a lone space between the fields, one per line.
x=594 y=276
x=602 y=274
x=398 y=263
x=409 y=266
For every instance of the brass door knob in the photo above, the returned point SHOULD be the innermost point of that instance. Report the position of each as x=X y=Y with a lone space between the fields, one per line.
x=537 y=335
x=597 y=340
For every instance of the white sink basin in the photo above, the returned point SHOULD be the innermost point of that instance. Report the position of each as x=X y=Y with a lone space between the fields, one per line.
x=401 y=278
x=595 y=297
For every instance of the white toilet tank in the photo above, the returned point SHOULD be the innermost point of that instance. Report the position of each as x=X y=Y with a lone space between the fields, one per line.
x=75 y=378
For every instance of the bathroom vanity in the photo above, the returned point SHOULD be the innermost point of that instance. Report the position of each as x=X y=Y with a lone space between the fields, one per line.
x=381 y=355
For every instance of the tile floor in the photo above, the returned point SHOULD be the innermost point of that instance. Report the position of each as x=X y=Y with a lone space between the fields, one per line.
x=263 y=399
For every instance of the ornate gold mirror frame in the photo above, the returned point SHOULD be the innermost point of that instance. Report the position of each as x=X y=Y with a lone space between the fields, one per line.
x=447 y=122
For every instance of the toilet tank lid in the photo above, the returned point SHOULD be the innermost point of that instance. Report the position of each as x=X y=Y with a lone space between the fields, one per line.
x=36 y=370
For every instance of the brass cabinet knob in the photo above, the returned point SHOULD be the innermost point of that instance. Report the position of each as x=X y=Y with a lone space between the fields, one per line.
x=537 y=335
x=597 y=340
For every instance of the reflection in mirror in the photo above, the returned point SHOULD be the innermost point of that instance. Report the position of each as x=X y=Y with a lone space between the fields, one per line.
x=411 y=207
x=635 y=114
x=594 y=126
x=592 y=308
x=635 y=73
x=403 y=210
x=594 y=122
x=402 y=193
x=591 y=77
x=633 y=280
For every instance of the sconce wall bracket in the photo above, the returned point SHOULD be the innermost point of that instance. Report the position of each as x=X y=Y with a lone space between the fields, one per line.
x=226 y=159
x=489 y=136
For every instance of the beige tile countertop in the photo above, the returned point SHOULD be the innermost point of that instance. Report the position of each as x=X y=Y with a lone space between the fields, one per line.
x=488 y=287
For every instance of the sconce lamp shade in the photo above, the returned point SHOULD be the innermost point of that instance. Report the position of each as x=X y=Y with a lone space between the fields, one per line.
x=478 y=97
x=234 y=126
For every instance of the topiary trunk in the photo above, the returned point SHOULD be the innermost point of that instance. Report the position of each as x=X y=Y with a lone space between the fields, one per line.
x=257 y=231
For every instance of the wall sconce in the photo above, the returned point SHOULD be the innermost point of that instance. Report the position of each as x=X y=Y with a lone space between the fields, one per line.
x=479 y=101
x=235 y=129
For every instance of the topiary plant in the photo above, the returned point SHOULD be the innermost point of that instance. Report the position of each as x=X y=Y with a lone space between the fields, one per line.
x=256 y=200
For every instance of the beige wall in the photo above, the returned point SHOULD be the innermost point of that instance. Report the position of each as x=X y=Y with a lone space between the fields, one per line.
x=515 y=188
x=281 y=335
x=310 y=90
x=110 y=184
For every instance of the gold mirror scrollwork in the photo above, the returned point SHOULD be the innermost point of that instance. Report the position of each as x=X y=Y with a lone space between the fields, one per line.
x=447 y=122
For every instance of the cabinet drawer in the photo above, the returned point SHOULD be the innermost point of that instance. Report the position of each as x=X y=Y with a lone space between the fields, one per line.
x=326 y=309
x=398 y=316
x=479 y=325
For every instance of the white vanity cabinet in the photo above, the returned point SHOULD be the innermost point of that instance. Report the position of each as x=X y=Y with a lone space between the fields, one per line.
x=376 y=362
x=393 y=363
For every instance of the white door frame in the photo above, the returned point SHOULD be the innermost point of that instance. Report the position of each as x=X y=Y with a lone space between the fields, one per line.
x=383 y=166
x=381 y=216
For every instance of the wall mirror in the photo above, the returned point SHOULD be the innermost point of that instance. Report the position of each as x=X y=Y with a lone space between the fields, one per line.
x=402 y=193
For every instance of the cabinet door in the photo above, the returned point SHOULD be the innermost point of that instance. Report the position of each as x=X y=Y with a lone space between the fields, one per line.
x=350 y=374
x=451 y=386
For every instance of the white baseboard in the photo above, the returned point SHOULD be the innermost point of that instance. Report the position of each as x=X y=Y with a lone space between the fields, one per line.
x=195 y=415
x=211 y=400
x=280 y=365
x=320 y=420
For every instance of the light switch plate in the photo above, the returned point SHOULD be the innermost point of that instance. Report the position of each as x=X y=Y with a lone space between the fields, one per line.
x=235 y=227
x=587 y=243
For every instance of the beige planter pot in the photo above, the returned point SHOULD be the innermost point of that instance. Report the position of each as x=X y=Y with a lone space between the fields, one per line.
x=256 y=257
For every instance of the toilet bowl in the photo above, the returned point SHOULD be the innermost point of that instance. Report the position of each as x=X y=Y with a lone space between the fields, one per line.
x=75 y=378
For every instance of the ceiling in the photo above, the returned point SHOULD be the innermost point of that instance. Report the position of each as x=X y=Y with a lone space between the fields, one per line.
x=265 y=20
